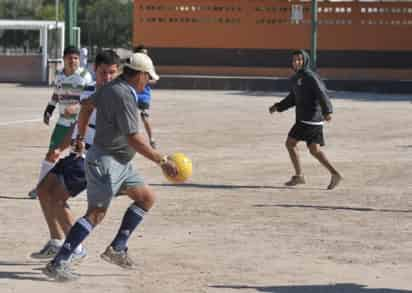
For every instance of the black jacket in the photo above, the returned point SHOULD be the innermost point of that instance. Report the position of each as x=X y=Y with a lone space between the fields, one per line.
x=308 y=93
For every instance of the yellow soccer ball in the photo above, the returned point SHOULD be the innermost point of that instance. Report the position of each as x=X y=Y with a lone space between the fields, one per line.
x=184 y=168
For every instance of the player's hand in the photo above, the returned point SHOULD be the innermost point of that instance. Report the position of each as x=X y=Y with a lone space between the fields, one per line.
x=53 y=155
x=328 y=117
x=46 y=118
x=72 y=109
x=272 y=109
x=169 y=168
x=153 y=143
x=48 y=112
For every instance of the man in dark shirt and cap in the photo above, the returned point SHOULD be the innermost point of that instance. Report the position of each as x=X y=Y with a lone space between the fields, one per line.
x=312 y=105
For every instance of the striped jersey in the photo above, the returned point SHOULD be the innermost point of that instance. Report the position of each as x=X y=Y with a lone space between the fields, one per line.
x=91 y=129
x=67 y=91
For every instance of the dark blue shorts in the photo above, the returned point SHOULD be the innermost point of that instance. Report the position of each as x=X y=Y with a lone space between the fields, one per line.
x=70 y=170
x=308 y=133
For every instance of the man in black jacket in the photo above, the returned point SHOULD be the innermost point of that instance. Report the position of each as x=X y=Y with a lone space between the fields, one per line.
x=312 y=104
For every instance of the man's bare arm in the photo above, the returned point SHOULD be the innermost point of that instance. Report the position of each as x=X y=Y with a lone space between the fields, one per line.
x=138 y=142
x=86 y=111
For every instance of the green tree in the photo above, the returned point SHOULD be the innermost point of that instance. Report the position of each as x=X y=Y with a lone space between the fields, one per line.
x=48 y=12
x=106 y=24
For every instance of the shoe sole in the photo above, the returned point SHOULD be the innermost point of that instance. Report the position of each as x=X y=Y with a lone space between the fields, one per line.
x=42 y=257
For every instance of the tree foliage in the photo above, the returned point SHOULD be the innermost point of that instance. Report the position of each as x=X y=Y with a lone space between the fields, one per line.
x=103 y=23
x=106 y=23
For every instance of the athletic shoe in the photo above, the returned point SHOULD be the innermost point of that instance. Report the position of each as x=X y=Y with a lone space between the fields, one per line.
x=60 y=272
x=334 y=181
x=120 y=258
x=47 y=252
x=295 y=180
x=78 y=257
x=32 y=194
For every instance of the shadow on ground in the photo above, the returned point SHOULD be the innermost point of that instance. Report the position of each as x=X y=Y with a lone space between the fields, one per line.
x=333 y=288
x=335 y=208
x=335 y=95
x=227 y=186
x=35 y=273
x=15 y=197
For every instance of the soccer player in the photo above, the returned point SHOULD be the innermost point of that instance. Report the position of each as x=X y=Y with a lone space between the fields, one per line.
x=67 y=178
x=69 y=84
x=309 y=96
x=145 y=98
x=108 y=165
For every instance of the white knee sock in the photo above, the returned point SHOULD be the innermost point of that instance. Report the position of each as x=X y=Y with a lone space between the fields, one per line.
x=46 y=166
x=56 y=242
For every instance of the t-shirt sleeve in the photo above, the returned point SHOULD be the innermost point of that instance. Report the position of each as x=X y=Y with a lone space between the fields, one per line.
x=127 y=116
x=87 y=92
x=94 y=97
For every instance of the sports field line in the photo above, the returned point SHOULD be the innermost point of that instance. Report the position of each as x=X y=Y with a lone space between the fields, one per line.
x=6 y=123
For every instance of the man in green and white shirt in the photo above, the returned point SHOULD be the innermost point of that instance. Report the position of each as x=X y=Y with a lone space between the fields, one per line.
x=69 y=85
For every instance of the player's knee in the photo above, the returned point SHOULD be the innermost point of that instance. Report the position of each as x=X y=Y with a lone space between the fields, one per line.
x=289 y=144
x=314 y=151
x=95 y=215
x=142 y=196
x=149 y=199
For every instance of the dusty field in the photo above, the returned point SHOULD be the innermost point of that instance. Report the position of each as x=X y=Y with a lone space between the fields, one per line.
x=234 y=227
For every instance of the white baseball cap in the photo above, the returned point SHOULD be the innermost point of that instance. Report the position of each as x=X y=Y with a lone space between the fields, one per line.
x=142 y=62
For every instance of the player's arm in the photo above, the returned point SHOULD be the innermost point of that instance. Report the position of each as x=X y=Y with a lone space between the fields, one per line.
x=322 y=94
x=286 y=103
x=48 y=112
x=86 y=110
x=138 y=143
x=145 y=118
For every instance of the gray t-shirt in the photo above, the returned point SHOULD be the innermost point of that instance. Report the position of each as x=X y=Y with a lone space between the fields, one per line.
x=116 y=117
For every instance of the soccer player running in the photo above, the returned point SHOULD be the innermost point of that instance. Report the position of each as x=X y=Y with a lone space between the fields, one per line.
x=108 y=165
x=312 y=104
x=67 y=178
x=69 y=84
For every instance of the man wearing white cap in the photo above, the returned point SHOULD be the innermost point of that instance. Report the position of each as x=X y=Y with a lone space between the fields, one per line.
x=108 y=165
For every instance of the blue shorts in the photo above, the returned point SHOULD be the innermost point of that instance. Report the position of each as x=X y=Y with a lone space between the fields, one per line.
x=106 y=177
x=70 y=171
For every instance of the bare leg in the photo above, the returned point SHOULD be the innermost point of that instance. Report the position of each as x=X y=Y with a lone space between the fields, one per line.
x=321 y=157
x=58 y=203
x=291 y=145
x=45 y=197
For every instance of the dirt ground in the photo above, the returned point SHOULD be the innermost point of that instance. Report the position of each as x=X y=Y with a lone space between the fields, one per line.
x=233 y=227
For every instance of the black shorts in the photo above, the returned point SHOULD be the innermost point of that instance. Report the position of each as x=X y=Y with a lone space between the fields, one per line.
x=70 y=171
x=309 y=133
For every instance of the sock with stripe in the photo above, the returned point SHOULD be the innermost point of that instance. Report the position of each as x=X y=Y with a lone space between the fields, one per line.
x=131 y=219
x=80 y=230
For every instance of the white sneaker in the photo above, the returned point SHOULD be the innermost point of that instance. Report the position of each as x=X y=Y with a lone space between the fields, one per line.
x=32 y=194
x=78 y=257
x=47 y=252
